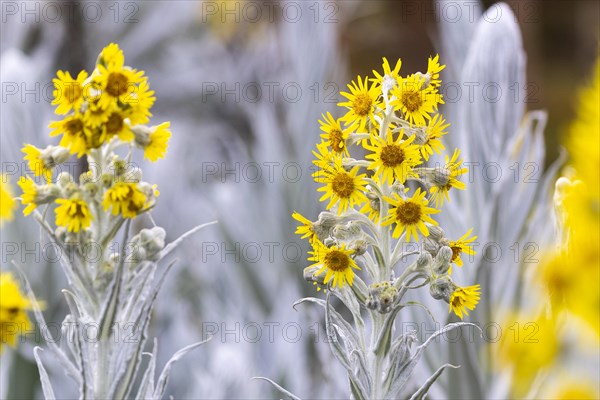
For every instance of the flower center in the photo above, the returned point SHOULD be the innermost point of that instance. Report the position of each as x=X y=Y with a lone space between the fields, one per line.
x=456 y=251
x=74 y=126
x=408 y=213
x=362 y=104
x=77 y=211
x=343 y=185
x=114 y=123
x=457 y=301
x=117 y=84
x=72 y=92
x=412 y=100
x=337 y=140
x=337 y=261
x=392 y=155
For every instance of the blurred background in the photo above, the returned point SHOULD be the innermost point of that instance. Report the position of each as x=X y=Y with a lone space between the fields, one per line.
x=243 y=84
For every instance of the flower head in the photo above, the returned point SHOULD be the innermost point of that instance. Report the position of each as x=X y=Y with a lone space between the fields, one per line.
x=433 y=70
x=306 y=230
x=116 y=82
x=68 y=93
x=361 y=104
x=393 y=159
x=335 y=261
x=416 y=100
x=410 y=214
x=30 y=194
x=463 y=299
x=334 y=135
x=390 y=77
x=343 y=188
x=74 y=133
x=7 y=201
x=460 y=246
x=36 y=163
x=73 y=214
x=13 y=311
x=125 y=198
x=446 y=178
x=158 y=141
x=433 y=132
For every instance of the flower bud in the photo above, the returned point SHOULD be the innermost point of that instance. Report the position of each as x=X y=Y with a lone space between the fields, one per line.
x=63 y=179
x=424 y=261
x=382 y=296
x=442 y=288
x=441 y=265
x=53 y=155
x=347 y=231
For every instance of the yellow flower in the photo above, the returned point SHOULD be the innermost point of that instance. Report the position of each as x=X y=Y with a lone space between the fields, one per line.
x=361 y=104
x=115 y=125
x=158 y=141
x=410 y=214
x=446 y=178
x=324 y=158
x=527 y=345
x=68 y=92
x=36 y=163
x=343 y=188
x=334 y=135
x=335 y=262
x=415 y=101
x=94 y=116
x=460 y=246
x=111 y=55
x=73 y=214
x=74 y=134
x=13 y=311
x=393 y=159
x=433 y=70
x=306 y=230
x=372 y=209
x=29 y=195
x=436 y=128
x=7 y=201
x=117 y=83
x=141 y=101
x=463 y=299
x=394 y=74
x=125 y=198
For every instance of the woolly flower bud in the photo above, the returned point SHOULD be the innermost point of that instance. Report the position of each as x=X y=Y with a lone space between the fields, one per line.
x=439 y=177
x=63 y=179
x=382 y=296
x=54 y=155
x=134 y=175
x=348 y=231
x=442 y=261
x=310 y=275
x=86 y=177
x=70 y=189
x=142 y=135
x=322 y=227
x=442 y=288
x=148 y=244
x=424 y=261
x=119 y=166
x=359 y=246
x=435 y=232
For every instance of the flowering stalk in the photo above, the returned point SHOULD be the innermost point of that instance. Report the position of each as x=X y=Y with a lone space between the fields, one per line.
x=378 y=204
x=111 y=271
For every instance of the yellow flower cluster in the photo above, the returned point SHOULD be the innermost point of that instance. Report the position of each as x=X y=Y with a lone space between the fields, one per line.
x=394 y=124
x=7 y=202
x=102 y=111
x=13 y=311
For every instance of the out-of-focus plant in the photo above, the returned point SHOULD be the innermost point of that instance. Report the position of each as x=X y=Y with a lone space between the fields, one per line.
x=569 y=304
x=373 y=217
x=112 y=288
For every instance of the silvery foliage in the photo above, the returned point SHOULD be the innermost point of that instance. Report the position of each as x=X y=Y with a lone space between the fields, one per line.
x=111 y=295
x=509 y=212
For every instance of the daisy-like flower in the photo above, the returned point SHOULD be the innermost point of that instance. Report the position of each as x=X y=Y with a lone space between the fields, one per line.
x=141 y=101
x=30 y=194
x=94 y=115
x=446 y=178
x=410 y=214
x=305 y=230
x=74 y=133
x=433 y=70
x=393 y=159
x=124 y=198
x=158 y=142
x=344 y=188
x=390 y=77
x=460 y=246
x=324 y=158
x=115 y=125
x=36 y=162
x=372 y=209
x=111 y=55
x=73 y=214
x=335 y=262
x=7 y=201
x=433 y=132
x=463 y=299
x=116 y=82
x=414 y=100
x=68 y=92
x=13 y=311
x=361 y=104
x=334 y=135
